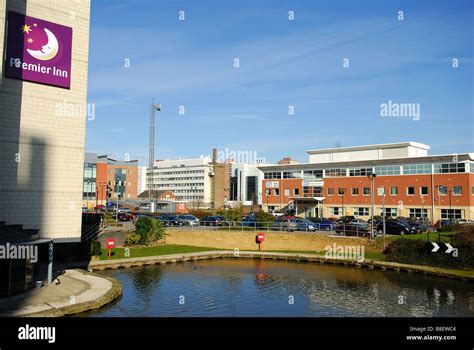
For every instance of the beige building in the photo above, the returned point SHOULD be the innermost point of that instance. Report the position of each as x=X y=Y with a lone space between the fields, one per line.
x=43 y=131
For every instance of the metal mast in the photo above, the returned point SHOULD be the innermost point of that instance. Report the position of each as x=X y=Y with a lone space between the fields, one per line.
x=151 y=141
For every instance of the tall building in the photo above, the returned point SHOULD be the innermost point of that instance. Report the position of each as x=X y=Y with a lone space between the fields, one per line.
x=202 y=182
x=43 y=91
x=108 y=178
x=246 y=183
x=141 y=179
x=408 y=183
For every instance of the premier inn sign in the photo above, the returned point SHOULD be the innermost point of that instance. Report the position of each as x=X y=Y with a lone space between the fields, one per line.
x=38 y=51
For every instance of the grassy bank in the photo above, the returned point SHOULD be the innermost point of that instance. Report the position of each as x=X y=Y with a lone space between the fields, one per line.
x=119 y=253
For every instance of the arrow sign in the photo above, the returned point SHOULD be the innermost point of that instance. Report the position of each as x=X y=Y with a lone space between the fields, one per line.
x=436 y=247
x=450 y=248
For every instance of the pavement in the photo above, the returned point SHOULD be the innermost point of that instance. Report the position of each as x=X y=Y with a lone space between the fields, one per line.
x=78 y=291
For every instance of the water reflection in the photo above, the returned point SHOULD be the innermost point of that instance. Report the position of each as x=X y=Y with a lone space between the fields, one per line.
x=230 y=287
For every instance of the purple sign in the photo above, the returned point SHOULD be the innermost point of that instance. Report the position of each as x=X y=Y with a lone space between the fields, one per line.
x=38 y=51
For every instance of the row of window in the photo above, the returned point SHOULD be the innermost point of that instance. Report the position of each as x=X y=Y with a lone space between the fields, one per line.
x=411 y=169
x=178 y=172
x=120 y=171
x=158 y=179
x=393 y=212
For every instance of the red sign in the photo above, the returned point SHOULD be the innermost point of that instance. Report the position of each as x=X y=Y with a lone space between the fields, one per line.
x=260 y=237
x=110 y=243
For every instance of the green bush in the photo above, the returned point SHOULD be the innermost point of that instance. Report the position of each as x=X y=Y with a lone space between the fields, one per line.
x=95 y=248
x=232 y=215
x=418 y=252
x=132 y=239
x=149 y=230
x=264 y=219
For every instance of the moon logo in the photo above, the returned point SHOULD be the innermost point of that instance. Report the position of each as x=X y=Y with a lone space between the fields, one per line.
x=48 y=51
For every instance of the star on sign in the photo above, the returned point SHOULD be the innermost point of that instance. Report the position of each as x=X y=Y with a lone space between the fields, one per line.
x=30 y=40
x=26 y=28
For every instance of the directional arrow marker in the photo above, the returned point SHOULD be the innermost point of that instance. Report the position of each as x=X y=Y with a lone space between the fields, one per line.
x=450 y=248
x=436 y=247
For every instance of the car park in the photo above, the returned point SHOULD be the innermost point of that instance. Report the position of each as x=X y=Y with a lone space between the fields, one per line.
x=304 y=225
x=395 y=227
x=354 y=229
x=214 y=220
x=170 y=220
x=188 y=220
x=284 y=223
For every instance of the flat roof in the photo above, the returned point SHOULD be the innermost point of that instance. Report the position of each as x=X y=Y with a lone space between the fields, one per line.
x=446 y=158
x=370 y=147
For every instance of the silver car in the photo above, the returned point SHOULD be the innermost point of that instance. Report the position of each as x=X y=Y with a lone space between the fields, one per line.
x=188 y=220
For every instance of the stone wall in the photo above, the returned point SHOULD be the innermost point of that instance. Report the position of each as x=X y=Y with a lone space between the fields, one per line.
x=279 y=241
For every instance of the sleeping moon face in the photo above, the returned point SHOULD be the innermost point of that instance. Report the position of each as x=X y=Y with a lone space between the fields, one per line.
x=48 y=51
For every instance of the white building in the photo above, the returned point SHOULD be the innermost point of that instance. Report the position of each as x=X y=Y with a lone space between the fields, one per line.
x=141 y=187
x=246 y=183
x=189 y=179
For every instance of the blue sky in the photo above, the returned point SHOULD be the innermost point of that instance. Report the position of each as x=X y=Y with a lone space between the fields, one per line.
x=190 y=63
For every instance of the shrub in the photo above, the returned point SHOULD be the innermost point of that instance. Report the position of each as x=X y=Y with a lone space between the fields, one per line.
x=418 y=252
x=263 y=219
x=132 y=239
x=95 y=248
x=232 y=215
x=149 y=230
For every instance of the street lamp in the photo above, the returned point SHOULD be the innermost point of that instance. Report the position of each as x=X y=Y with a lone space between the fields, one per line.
x=372 y=180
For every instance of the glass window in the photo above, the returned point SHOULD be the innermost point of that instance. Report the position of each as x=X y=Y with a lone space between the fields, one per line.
x=418 y=213
x=297 y=191
x=341 y=191
x=330 y=191
x=457 y=190
x=335 y=211
x=277 y=191
x=393 y=191
x=355 y=191
x=310 y=175
x=424 y=190
x=451 y=214
x=268 y=192
x=472 y=190
x=292 y=174
x=410 y=191
x=335 y=172
x=366 y=191
x=360 y=172
x=449 y=168
x=361 y=212
x=392 y=212
x=413 y=169
x=272 y=175
x=442 y=190
x=287 y=192
x=387 y=170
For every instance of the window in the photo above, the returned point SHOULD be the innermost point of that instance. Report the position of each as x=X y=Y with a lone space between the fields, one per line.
x=360 y=172
x=124 y=171
x=366 y=191
x=413 y=169
x=110 y=171
x=129 y=184
x=424 y=190
x=355 y=191
x=312 y=174
x=380 y=191
x=451 y=214
x=335 y=172
x=472 y=190
x=297 y=192
x=287 y=192
x=341 y=191
x=277 y=191
x=392 y=212
x=410 y=191
x=418 y=213
x=361 y=212
x=129 y=172
x=394 y=191
x=457 y=190
x=335 y=211
x=268 y=192
x=292 y=174
x=450 y=168
x=272 y=175
x=128 y=195
x=387 y=170
x=330 y=191
x=442 y=190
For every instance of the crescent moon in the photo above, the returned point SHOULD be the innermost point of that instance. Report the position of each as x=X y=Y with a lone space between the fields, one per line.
x=48 y=51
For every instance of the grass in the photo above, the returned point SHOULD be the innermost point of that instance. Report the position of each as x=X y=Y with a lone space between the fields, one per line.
x=119 y=253
x=432 y=237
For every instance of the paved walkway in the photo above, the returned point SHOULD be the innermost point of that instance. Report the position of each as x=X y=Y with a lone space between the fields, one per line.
x=79 y=291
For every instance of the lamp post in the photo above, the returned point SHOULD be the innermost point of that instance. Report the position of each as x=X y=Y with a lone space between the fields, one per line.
x=372 y=180
x=383 y=215
x=88 y=192
x=341 y=192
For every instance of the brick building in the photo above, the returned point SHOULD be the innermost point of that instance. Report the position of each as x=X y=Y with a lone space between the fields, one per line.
x=335 y=182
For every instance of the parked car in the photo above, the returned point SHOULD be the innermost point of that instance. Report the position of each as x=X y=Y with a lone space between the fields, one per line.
x=249 y=221
x=284 y=223
x=323 y=224
x=395 y=227
x=354 y=229
x=188 y=220
x=124 y=216
x=359 y=222
x=214 y=220
x=304 y=225
x=170 y=220
x=346 y=219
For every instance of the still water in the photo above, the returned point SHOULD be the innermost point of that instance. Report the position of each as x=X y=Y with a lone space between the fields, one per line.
x=245 y=287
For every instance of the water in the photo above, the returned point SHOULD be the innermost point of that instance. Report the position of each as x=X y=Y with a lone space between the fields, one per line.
x=245 y=287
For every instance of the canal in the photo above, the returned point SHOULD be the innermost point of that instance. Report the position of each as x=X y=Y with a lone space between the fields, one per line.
x=246 y=287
